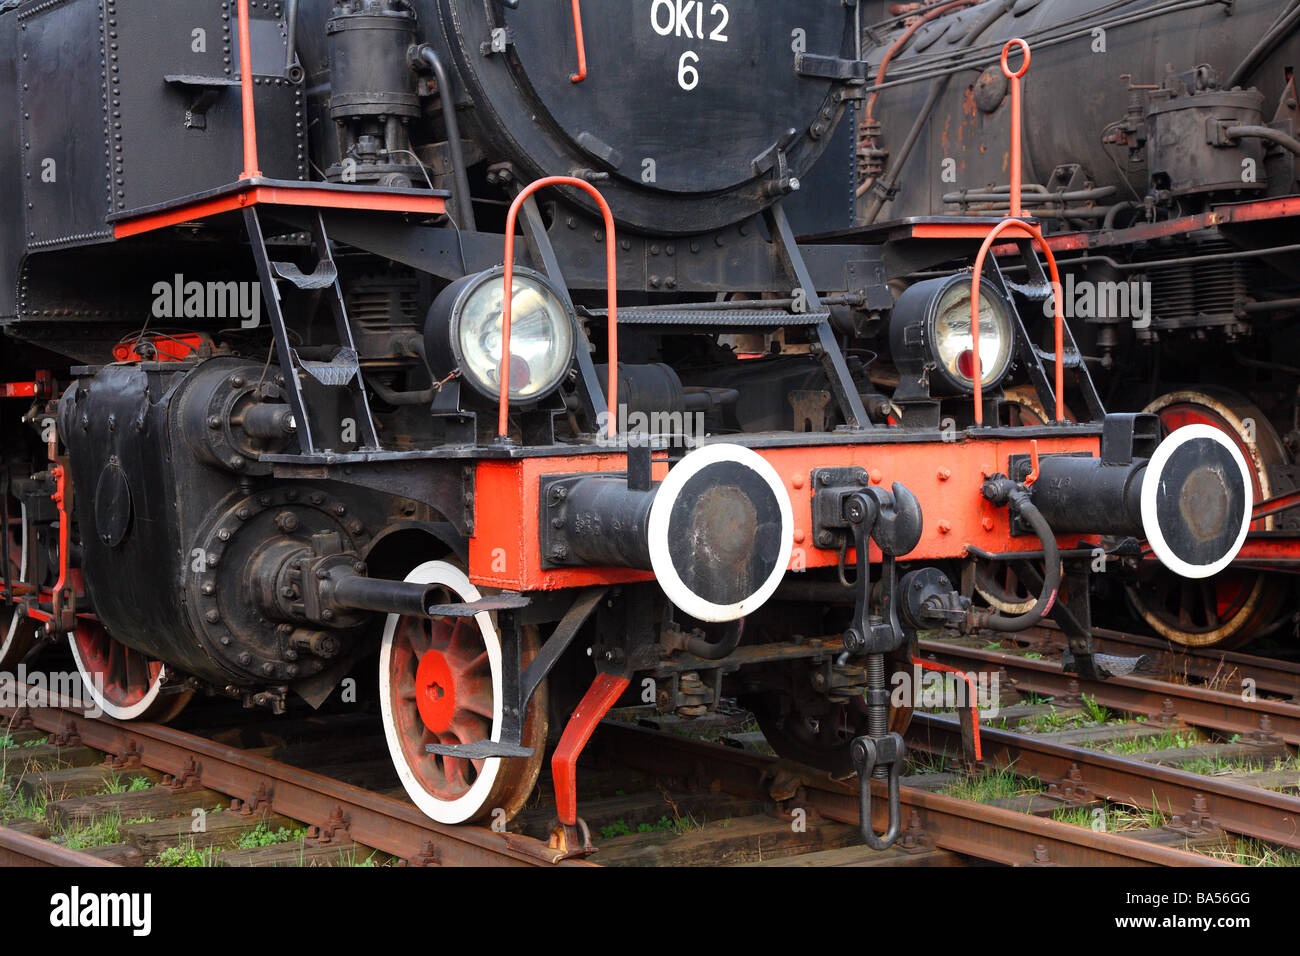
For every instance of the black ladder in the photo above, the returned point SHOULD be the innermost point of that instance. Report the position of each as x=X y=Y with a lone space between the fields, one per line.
x=342 y=372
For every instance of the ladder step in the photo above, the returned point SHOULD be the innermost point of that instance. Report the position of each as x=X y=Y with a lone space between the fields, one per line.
x=343 y=369
x=326 y=274
x=718 y=318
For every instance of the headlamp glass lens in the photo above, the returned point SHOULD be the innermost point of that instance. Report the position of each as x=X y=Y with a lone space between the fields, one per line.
x=952 y=334
x=541 y=337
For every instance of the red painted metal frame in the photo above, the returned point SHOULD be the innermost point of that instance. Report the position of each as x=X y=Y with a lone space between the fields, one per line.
x=250 y=192
x=41 y=386
x=582 y=46
x=505 y=550
x=1224 y=215
x=604 y=692
x=253 y=193
x=60 y=497
x=611 y=283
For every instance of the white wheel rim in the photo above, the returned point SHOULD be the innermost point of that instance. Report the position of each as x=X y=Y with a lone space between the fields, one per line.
x=471 y=802
x=134 y=711
x=661 y=512
x=22 y=578
x=1150 y=493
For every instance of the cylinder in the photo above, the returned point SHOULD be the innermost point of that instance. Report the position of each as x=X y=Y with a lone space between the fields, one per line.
x=384 y=596
x=1088 y=496
x=607 y=524
x=369 y=74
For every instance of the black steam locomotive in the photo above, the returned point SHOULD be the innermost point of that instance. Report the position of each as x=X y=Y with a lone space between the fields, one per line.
x=534 y=347
x=1160 y=154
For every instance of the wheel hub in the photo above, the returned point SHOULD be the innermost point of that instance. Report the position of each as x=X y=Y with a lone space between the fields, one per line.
x=435 y=691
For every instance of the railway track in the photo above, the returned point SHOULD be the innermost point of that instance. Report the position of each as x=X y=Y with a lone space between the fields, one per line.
x=1231 y=713
x=234 y=790
x=1205 y=739
x=654 y=798
x=659 y=798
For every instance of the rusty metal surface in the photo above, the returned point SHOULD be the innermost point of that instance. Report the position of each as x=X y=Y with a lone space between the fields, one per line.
x=369 y=819
x=1079 y=773
x=1227 y=713
x=933 y=820
x=22 y=849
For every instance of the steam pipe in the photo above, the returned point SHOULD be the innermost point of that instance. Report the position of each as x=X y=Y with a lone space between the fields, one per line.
x=1021 y=504
x=890 y=177
x=464 y=202
x=1265 y=133
x=291 y=21
x=384 y=596
x=724 y=646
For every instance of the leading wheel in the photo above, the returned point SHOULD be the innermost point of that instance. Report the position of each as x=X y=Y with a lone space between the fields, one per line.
x=17 y=630
x=441 y=683
x=124 y=683
x=1226 y=610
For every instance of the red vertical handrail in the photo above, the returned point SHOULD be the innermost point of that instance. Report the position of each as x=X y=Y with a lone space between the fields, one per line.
x=611 y=281
x=252 y=170
x=582 y=46
x=1016 y=213
x=1015 y=117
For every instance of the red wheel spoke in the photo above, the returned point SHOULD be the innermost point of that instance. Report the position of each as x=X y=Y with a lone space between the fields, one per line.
x=414 y=632
x=465 y=639
x=479 y=665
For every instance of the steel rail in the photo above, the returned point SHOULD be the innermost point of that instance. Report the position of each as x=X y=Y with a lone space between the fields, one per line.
x=1078 y=772
x=385 y=824
x=972 y=829
x=23 y=849
x=1198 y=706
x=1273 y=676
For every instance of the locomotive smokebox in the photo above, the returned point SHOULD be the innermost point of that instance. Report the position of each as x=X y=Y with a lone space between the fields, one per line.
x=717 y=532
x=1191 y=500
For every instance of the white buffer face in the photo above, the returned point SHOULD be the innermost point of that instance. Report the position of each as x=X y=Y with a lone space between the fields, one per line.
x=1197 y=498
x=721 y=530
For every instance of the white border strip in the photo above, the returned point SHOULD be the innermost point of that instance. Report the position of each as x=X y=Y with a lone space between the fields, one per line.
x=1151 y=490
x=661 y=511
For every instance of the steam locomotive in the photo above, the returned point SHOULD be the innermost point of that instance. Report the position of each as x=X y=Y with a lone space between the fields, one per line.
x=1160 y=156
x=532 y=346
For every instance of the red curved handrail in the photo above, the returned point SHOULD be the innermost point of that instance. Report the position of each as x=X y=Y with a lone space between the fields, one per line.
x=611 y=281
x=1035 y=233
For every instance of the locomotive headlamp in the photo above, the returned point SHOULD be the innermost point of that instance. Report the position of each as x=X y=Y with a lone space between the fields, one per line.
x=931 y=332
x=463 y=331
